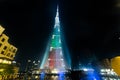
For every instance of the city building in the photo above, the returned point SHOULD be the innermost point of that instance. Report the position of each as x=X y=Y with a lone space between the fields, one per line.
x=107 y=71
x=7 y=54
x=53 y=60
x=115 y=64
x=7 y=50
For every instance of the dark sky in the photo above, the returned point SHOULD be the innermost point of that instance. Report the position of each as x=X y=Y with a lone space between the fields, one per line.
x=90 y=27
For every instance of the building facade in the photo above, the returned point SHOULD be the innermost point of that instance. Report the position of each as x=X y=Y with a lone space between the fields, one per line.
x=7 y=54
x=6 y=49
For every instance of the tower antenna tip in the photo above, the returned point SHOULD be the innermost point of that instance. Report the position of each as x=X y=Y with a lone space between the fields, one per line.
x=57 y=8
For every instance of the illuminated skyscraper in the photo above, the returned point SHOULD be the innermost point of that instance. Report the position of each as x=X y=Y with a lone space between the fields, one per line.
x=54 y=60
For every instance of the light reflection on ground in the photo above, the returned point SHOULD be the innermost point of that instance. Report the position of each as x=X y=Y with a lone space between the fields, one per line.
x=60 y=76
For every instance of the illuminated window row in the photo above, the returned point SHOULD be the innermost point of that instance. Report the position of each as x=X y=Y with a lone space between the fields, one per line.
x=107 y=72
x=8 y=54
x=5 y=61
x=12 y=49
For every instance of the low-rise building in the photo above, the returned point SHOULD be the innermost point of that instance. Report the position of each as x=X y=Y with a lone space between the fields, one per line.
x=7 y=54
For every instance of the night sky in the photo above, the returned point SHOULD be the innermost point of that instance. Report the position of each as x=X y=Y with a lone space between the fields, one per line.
x=90 y=27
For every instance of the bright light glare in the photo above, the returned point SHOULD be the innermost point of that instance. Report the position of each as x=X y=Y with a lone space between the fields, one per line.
x=1 y=60
x=55 y=71
x=1 y=70
x=85 y=69
x=36 y=77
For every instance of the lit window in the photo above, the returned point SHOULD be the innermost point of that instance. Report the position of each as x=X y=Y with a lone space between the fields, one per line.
x=5 y=61
x=58 y=30
x=1 y=60
x=3 y=40
x=0 y=44
x=11 y=56
x=8 y=54
x=59 y=40
x=5 y=47
x=2 y=52
x=51 y=48
x=53 y=36
x=9 y=49
x=14 y=50
x=9 y=62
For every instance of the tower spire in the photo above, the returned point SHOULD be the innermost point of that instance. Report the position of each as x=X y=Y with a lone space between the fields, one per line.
x=57 y=14
x=57 y=22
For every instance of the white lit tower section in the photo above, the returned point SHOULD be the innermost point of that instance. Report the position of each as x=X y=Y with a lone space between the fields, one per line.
x=55 y=60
